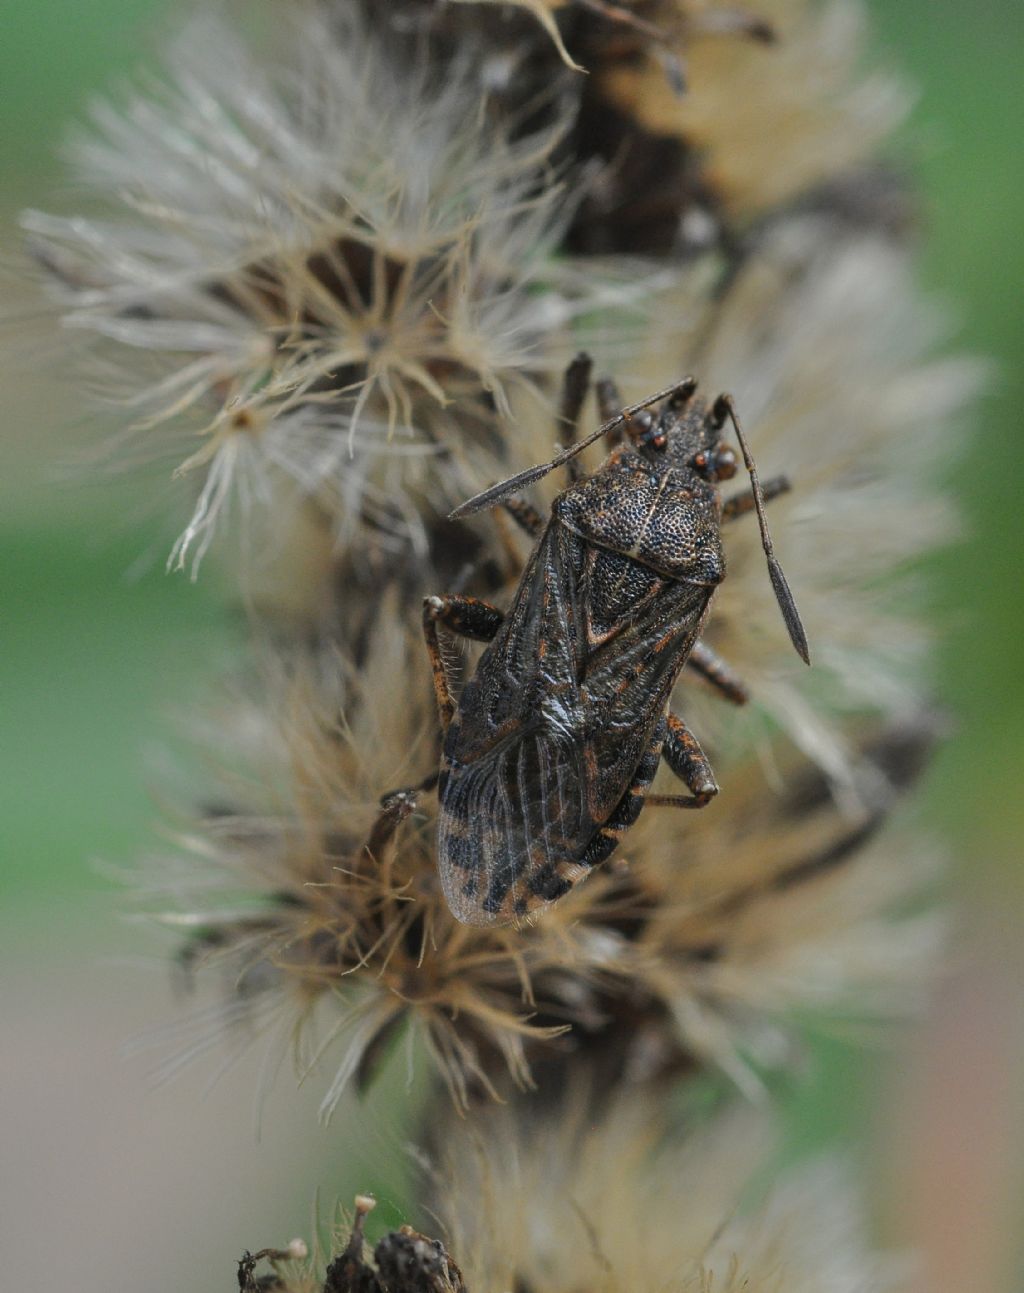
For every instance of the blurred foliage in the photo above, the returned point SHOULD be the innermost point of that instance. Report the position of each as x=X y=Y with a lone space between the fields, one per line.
x=965 y=58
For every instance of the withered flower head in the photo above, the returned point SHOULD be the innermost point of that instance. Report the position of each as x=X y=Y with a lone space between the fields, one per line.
x=344 y=278
x=315 y=275
x=770 y=123
x=706 y=933
x=626 y=1201
x=324 y=913
x=622 y=1201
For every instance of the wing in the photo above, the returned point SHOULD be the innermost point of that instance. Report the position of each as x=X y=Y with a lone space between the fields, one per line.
x=551 y=729
x=509 y=828
x=511 y=810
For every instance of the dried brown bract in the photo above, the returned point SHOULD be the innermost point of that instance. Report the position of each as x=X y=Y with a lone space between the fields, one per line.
x=283 y=1262
x=303 y=893
x=403 y=1262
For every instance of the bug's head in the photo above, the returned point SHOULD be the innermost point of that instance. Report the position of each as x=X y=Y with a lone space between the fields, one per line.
x=683 y=436
x=686 y=436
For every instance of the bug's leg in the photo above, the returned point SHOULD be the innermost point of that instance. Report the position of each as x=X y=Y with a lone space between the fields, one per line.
x=574 y=392
x=688 y=761
x=609 y=405
x=733 y=21
x=741 y=504
x=395 y=807
x=528 y=520
x=526 y=517
x=407 y=796
x=605 y=840
x=467 y=617
x=714 y=670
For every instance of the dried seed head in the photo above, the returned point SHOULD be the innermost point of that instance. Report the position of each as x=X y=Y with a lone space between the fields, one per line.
x=626 y=1202
x=695 y=951
x=823 y=343
x=322 y=274
x=403 y=1261
x=528 y=1202
x=322 y=895
x=286 y=1276
x=324 y=911
x=807 y=94
x=336 y=279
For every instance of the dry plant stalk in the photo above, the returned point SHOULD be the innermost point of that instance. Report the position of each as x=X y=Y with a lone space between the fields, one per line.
x=337 y=282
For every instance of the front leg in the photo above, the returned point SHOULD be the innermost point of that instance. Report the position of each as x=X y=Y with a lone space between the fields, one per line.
x=526 y=517
x=574 y=392
x=609 y=404
x=467 y=617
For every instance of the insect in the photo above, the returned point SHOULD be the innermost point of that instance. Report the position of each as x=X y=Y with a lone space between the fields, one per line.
x=549 y=752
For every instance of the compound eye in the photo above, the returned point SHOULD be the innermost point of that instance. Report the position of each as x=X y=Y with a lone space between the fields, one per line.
x=643 y=431
x=725 y=463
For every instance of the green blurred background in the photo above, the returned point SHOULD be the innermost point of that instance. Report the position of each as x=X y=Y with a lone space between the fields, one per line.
x=100 y=647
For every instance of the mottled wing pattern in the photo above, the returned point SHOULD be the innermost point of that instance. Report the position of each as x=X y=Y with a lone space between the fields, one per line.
x=508 y=828
x=549 y=734
x=512 y=758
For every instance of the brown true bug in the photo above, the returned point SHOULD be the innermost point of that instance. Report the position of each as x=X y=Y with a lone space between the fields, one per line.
x=549 y=752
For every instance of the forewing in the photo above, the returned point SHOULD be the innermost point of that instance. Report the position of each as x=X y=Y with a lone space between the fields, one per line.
x=513 y=813
x=509 y=829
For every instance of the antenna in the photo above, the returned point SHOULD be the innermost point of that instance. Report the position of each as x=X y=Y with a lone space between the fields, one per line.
x=724 y=407
x=488 y=497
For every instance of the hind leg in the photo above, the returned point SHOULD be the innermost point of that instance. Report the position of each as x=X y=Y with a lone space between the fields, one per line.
x=718 y=673
x=688 y=761
x=680 y=749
